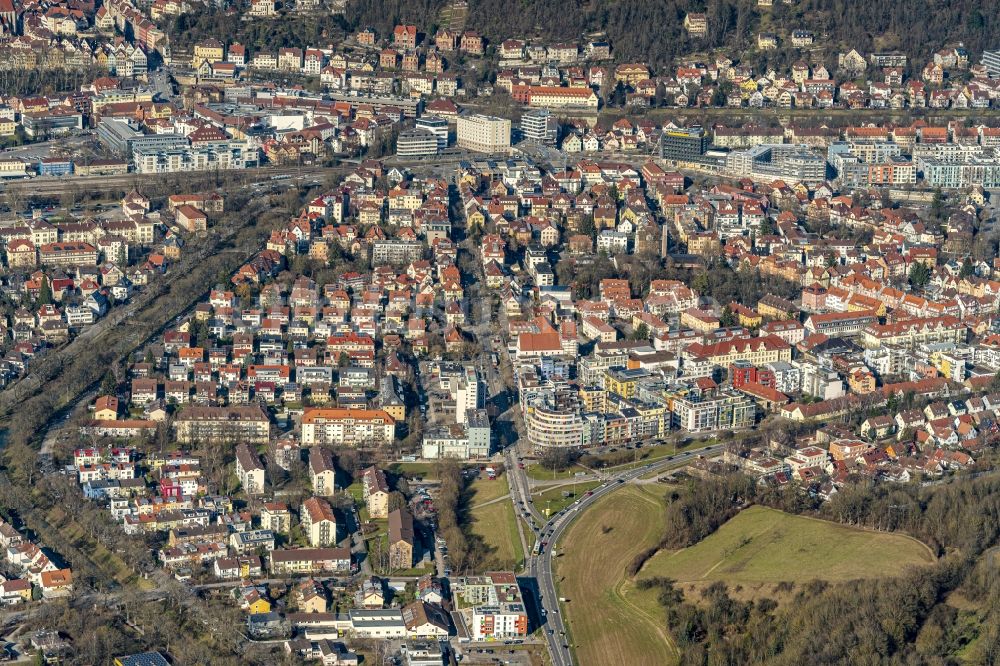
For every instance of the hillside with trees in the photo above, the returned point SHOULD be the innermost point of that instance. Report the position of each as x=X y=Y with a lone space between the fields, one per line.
x=653 y=31
x=931 y=614
x=206 y=22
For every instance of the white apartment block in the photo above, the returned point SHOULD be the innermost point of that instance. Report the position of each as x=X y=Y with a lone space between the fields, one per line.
x=484 y=134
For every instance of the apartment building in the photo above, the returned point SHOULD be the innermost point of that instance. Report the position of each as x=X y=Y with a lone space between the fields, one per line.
x=498 y=611
x=553 y=418
x=238 y=423
x=232 y=155
x=455 y=441
x=347 y=427
x=318 y=522
x=840 y=323
x=484 y=134
x=729 y=410
x=309 y=561
x=249 y=470
x=396 y=252
x=401 y=539
x=275 y=516
x=322 y=471
x=914 y=332
x=375 y=489
x=470 y=394
x=67 y=254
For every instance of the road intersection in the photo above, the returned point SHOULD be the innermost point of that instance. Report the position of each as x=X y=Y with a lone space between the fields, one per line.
x=539 y=564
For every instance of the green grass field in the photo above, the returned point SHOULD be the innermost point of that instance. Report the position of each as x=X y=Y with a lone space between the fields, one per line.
x=553 y=500
x=607 y=623
x=762 y=545
x=357 y=491
x=539 y=473
x=496 y=525
x=484 y=490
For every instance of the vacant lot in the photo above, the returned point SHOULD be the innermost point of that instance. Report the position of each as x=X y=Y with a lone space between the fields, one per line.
x=484 y=490
x=761 y=547
x=604 y=617
x=496 y=525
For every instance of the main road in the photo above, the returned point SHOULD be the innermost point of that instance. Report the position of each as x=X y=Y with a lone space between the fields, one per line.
x=540 y=566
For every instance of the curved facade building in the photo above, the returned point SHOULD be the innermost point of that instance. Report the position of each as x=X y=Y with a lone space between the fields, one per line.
x=553 y=418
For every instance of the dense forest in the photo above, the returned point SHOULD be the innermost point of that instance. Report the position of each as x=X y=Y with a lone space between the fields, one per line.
x=913 y=618
x=639 y=30
x=653 y=31
x=289 y=32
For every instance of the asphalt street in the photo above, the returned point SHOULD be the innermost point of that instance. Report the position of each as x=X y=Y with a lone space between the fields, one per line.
x=540 y=566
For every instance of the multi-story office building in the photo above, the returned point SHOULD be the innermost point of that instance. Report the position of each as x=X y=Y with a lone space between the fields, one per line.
x=121 y=136
x=454 y=441
x=484 y=134
x=437 y=126
x=556 y=97
x=416 y=143
x=991 y=60
x=789 y=162
x=55 y=121
x=541 y=126
x=683 y=144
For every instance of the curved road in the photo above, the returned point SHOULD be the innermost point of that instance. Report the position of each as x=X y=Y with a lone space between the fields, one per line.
x=540 y=566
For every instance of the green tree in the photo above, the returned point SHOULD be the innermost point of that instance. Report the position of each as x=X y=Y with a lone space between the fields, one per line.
x=920 y=274
x=44 y=292
x=937 y=205
x=967 y=269
x=728 y=317
x=641 y=332
x=719 y=97
x=109 y=385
